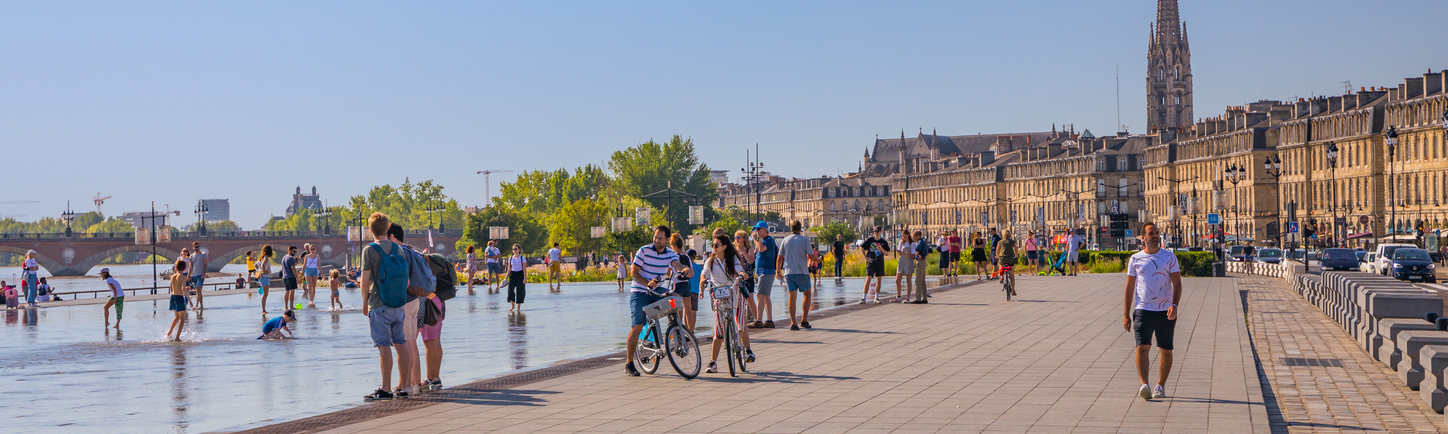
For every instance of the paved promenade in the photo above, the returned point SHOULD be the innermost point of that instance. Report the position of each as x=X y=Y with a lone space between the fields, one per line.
x=1056 y=360
x=1359 y=395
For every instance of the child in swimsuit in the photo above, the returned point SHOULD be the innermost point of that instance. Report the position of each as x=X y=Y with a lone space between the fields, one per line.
x=336 y=282
x=275 y=328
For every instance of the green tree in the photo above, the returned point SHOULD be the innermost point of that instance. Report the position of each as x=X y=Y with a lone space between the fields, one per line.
x=522 y=230
x=827 y=232
x=571 y=226
x=652 y=167
x=407 y=205
x=111 y=225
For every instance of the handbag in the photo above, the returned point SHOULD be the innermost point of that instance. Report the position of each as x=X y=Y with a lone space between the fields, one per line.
x=432 y=314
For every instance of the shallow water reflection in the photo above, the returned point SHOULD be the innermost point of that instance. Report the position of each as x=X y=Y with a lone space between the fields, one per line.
x=78 y=375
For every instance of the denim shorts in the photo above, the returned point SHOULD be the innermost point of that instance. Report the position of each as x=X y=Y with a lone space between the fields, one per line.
x=636 y=303
x=796 y=282
x=178 y=303
x=495 y=267
x=197 y=281
x=386 y=324
x=311 y=272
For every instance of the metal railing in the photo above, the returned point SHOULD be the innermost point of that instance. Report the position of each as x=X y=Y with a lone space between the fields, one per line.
x=132 y=291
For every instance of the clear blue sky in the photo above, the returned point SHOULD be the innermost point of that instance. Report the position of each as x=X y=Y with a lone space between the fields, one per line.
x=176 y=101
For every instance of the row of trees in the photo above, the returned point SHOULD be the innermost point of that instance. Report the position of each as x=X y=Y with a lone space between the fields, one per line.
x=543 y=207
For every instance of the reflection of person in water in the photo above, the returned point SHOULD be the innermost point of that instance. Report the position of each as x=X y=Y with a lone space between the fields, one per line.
x=518 y=340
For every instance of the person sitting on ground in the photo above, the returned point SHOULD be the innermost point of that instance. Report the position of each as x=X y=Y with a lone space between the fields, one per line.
x=277 y=327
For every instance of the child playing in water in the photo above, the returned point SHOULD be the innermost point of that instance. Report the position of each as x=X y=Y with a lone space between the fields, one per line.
x=179 y=288
x=274 y=329
x=336 y=283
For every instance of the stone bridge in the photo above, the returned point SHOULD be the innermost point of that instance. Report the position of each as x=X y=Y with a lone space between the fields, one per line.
x=76 y=255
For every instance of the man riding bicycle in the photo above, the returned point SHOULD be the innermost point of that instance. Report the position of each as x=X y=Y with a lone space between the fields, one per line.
x=1006 y=255
x=651 y=266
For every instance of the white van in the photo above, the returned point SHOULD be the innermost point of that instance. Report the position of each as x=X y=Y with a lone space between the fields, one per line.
x=1384 y=258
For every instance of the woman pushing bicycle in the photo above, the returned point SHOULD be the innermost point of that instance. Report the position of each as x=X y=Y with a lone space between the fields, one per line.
x=725 y=268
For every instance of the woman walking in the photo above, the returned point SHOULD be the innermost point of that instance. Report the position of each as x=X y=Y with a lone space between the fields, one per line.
x=1033 y=261
x=725 y=268
x=904 y=267
x=517 y=278
x=263 y=269
x=977 y=254
x=471 y=268
x=746 y=284
x=311 y=270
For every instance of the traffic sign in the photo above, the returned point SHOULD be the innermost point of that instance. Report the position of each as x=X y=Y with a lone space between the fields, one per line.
x=1291 y=227
x=1214 y=219
x=1128 y=232
x=1362 y=219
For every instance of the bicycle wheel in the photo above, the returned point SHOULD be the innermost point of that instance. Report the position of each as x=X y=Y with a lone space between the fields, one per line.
x=740 y=354
x=646 y=355
x=1006 y=285
x=728 y=336
x=683 y=351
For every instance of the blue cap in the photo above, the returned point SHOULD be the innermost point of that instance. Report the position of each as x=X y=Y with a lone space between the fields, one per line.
x=761 y=225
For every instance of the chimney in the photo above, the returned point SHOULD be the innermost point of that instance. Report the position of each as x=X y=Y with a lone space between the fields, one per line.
x=1413 y=87
x=1432 y=83
x=987 y=157
x=1334 y=104
x=1302 y=109
x=1349 y=102
x=1053 y=149
x=1319 y=105
x=1365 y=97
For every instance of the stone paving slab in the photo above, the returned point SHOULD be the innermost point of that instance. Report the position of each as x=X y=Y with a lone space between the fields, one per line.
x=1362 y=395
x=1056 y=360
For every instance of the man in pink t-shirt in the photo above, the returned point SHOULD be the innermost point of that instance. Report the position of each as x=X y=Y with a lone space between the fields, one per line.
x=954 y=241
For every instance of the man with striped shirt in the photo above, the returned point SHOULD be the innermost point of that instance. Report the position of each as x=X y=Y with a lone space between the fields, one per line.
x=650 y=265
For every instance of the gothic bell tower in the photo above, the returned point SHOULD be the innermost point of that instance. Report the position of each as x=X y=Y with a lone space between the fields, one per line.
x=1168 y=72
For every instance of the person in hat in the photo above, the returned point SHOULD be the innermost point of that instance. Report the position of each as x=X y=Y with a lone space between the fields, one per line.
x=117 y=299
x=765 y=256
x=32 y=276
x=874 y=247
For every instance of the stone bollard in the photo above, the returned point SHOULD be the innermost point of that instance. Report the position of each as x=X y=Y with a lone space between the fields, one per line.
x=1410 y=342
x=1388 y=330
x=1435 y=361
x=1431 y=317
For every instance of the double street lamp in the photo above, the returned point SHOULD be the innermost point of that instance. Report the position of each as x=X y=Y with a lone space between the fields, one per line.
x=1273 y=165
x=201 y=210
x=1332 y=193
x=68 y=216
x=1391 y=140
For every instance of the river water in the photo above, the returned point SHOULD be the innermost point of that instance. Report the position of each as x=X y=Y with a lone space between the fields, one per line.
x=74 y=375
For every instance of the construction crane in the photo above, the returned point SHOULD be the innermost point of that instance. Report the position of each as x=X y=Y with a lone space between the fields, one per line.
x=100 y=200
x=488 y=185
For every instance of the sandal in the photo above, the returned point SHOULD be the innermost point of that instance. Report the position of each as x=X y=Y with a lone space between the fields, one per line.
x=769 y=324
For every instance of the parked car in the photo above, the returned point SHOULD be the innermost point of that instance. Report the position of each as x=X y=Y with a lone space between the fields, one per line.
x=1339 y=259
x=1298 y=254
x=1270 y=255
x=1360 y=254
x=1413 y=264
x=1369 y=263
x=1234 y=253
x=1385 y=256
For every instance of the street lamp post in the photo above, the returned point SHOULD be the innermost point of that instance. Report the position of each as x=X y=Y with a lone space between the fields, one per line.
x=201 y=217
x=326 y=222
x=1332 y=192
x=1391 y=140
x=68 y=216
x=1273 y=165
x=1176 y=219
x=751 y=172
x=1234 y=176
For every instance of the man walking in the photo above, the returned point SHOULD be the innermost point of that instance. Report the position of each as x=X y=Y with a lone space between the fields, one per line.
x=793 y=268
x=765 y=260
x=1153 y=289
x=555 y=267
x=1249 y=256
x=875 y=247
x=495 y=267
x=838 y=249
x=289 y=273
x=1073 y=251
x=199 y=261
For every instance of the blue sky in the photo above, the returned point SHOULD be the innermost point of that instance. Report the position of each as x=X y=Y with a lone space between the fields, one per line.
x=177 y=101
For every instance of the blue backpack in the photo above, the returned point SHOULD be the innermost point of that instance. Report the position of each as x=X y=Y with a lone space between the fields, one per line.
x=419 y=272
x=392 y=275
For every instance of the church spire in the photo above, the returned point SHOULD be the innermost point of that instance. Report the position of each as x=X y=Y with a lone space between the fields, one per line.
x=1169 y=71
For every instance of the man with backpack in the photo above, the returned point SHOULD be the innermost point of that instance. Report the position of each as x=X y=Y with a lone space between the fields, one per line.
x=384 y=284
x=421 y=284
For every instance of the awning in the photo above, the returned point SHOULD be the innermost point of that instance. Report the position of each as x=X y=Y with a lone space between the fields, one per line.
x=1359 y=235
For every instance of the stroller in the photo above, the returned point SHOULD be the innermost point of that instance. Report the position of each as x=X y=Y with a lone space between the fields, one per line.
x=1057 y=266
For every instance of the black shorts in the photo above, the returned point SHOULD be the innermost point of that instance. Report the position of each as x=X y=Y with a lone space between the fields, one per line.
x=875 y=269
x=1153 y=322
x=1008 y=262
x=290 y=283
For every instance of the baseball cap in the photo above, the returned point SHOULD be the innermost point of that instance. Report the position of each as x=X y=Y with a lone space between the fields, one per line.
x=32 y=252
x=877 y=229
x=761 y=225
x=106 y=269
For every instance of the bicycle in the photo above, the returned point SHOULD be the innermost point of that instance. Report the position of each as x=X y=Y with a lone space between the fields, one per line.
x=1008 y=282
x=678 y=344
x=726 y=310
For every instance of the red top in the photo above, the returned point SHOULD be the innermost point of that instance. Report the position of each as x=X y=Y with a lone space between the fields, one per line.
x=954 y=242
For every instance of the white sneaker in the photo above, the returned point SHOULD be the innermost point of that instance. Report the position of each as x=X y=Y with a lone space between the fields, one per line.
x=1145 y=392
x=1158 y=391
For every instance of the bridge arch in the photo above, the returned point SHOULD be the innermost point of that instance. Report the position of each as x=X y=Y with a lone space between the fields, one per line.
x=83 y=266
x=54 y=267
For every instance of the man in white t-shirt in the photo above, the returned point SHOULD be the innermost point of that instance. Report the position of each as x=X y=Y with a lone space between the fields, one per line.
x=1073 y=248
x=1153 y=288
x=555 y=267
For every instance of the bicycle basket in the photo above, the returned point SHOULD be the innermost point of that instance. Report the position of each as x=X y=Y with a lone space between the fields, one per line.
x=722 y=293
x=664 y=307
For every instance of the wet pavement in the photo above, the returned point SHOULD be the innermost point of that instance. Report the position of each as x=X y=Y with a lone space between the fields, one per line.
x=76 y=375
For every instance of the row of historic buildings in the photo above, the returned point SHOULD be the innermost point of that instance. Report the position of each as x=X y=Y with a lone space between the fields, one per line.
x=1355 y=168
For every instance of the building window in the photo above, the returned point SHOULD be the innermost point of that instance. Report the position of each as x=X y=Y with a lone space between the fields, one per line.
x=1121 y=164
x=1100 y=165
